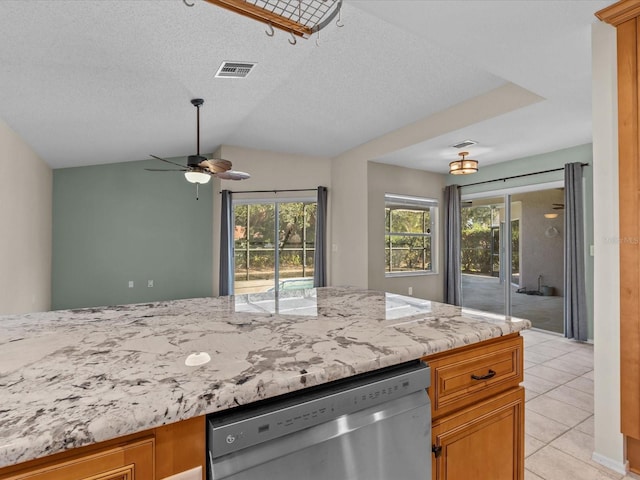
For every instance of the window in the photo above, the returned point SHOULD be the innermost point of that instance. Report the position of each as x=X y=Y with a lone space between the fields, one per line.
x=409 y=234
x=274 y=244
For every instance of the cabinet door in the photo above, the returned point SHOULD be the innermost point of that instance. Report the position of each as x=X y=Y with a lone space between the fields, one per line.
x=482 y=442
x=128 y=462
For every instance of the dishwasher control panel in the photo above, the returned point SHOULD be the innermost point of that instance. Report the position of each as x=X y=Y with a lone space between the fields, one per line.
x=307 y=408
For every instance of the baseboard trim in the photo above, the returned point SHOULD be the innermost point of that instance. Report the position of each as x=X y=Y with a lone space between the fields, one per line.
x=620 y=467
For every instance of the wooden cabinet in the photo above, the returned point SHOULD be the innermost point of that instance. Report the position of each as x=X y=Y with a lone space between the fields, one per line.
x=484 y=441
x=132 y=461
x=478 y=411
x=151 y=455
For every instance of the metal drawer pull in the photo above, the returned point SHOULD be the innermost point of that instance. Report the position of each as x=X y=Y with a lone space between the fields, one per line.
x=489 y=375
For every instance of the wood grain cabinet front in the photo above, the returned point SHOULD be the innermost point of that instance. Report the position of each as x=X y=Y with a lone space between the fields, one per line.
x=474 y=373
x=482 y=442
x=150 y=455
x=134 y=461
x=477 y=408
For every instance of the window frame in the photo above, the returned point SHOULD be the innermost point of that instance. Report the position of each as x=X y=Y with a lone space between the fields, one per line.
x=412 y=202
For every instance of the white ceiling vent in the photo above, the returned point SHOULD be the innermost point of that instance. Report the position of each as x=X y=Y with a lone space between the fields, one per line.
x=234 y=69
x=464 y=144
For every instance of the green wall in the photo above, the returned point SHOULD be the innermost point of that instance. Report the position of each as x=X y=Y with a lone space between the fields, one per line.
x=537 y=163
x=115 y=223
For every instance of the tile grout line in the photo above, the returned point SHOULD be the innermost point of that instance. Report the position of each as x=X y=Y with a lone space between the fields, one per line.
x=583 y=353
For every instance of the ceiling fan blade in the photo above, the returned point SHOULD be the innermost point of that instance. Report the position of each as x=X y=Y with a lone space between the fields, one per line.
x=216 y=165
x=168 y=161
x=232 y=175
x=166 y=169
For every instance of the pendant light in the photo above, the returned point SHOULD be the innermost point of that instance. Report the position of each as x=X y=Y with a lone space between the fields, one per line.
x=463 y=166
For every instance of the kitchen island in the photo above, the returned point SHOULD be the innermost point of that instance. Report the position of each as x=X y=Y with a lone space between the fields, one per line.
x=77 y=377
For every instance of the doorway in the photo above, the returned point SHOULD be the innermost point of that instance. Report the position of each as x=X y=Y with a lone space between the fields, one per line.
x=274 y=244
x=512 y=256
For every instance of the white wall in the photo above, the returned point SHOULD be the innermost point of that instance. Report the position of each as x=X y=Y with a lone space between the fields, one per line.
x=609 y=446
x=270 y=171
x=25 y=215
x=404 y=181
x=348 y=244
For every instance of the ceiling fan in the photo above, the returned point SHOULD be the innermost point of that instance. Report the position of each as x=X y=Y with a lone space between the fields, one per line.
x=199 y=169
x=557 y=206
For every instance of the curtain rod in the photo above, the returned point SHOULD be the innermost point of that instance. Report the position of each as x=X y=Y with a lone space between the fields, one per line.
x=504 y=179
x=275 y=191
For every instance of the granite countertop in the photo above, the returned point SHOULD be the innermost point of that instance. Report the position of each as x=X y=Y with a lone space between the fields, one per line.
x=70 y=378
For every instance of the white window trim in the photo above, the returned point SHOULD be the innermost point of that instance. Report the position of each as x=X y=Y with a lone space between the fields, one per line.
x=393 y=199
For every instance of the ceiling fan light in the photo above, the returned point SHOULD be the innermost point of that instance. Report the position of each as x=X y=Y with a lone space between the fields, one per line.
x=464 y=166
x=550 y=215
x=197 y=177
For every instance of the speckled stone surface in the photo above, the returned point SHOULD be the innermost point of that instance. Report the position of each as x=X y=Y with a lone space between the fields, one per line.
x=71 y=378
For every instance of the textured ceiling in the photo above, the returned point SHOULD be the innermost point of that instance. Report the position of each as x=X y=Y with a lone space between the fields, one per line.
x=100 y=81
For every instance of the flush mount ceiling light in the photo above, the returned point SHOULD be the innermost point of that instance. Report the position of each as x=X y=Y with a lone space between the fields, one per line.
x=463 y=166
x=550 y=215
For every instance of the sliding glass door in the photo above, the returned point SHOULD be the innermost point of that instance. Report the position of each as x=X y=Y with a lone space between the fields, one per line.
x=484 y=248
x=274 y=245
x=512 y=256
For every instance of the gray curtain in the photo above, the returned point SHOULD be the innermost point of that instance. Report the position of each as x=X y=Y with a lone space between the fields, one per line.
x=319 y=256
x=452 y=233
x=575 y=306
x=226 y=245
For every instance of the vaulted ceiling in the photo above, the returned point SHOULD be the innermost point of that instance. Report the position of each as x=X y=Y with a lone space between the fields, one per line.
x=101 y=81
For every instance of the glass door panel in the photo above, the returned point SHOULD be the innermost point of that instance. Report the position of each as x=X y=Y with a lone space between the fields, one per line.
x=254 y=247
x=274 y=245
x=512 y=256
x=482 y=240
x=538 y=267
x=296 y=225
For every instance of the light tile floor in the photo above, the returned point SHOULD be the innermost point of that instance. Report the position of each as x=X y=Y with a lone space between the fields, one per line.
x=558 y=380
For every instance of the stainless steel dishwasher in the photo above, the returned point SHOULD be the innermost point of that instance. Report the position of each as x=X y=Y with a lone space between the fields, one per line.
x=375 y=426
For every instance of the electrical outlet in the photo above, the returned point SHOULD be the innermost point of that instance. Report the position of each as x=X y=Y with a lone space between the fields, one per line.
x=130 y=283
x=410 y=290
x=150 y=283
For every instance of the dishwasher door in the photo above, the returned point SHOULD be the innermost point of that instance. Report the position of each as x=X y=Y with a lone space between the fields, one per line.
x=389 y=440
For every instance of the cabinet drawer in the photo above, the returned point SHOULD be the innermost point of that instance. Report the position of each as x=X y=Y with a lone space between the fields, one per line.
x=474 y=373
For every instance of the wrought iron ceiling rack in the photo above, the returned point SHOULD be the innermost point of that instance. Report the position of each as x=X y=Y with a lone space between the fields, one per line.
x=298 y=17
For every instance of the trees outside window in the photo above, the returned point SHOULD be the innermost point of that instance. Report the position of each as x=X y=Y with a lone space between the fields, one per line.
x=477 y=239
x=481 y=241
x=273 y=241
x=409 y=233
